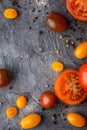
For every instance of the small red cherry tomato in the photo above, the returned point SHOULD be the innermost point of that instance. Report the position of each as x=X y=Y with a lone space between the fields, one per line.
x=47 y=99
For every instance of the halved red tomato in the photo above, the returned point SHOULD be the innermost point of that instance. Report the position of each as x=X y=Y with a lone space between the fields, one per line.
x=78 y=8
x=68 y=89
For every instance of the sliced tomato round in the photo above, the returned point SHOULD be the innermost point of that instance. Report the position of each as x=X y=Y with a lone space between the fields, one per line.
x=78 y=8
x=68 y=89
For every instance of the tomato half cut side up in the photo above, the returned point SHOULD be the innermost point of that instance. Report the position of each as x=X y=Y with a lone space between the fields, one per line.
x=68 y=89
x=77 y=8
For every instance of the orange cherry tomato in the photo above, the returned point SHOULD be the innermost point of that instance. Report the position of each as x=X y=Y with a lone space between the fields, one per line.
x=47 y=99
x=10 y=13
x=68 y=89
x=77 y=8
x=56 y=22
x=57 y=66
x=11 y=112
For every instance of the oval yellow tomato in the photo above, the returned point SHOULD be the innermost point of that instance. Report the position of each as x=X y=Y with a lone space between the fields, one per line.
x=30 y=121
x=21 y=101
x=76 y=119
x=10 y=13
x=81 y=50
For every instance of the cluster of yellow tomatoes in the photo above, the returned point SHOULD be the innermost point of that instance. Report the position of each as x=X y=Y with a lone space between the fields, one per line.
x=29 y=121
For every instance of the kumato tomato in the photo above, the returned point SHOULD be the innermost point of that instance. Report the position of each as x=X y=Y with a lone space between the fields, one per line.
x=56 y=22
x=83 y=76
x=47 y=99
x=68 y=89
x=77 y=8
x=5 y=77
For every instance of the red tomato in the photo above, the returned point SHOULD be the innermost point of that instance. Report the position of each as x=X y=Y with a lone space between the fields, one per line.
x=78 y=8
x=68 y=89
x=47 y=99
x=83 y=76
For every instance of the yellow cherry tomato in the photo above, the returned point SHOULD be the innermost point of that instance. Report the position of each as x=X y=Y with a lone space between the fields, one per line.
x=57 y=66
x=11 y=112
x=10 y=13
x=30 y=121
x=21 y=102
x=81 y=50
x=76 y=119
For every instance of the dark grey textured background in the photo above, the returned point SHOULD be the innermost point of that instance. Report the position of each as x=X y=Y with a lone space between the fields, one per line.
x=27 y=49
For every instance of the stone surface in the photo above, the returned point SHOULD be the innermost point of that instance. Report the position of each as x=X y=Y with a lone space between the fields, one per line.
x=27 y=49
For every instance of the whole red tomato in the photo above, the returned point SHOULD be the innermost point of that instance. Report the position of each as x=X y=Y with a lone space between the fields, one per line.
x=47 y=99
x=77 y=8
x=83 y=76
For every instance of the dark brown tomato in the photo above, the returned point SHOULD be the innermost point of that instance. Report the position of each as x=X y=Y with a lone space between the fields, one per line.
x=5 y=77
x=47 y=99
x=56 y=22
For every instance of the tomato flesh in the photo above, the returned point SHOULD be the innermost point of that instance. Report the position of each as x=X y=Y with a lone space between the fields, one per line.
x=83 y=76
x=68 y=89
x=78 y=8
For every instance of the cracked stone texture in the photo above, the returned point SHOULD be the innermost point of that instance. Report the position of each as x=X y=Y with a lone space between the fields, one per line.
x=27 y=49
